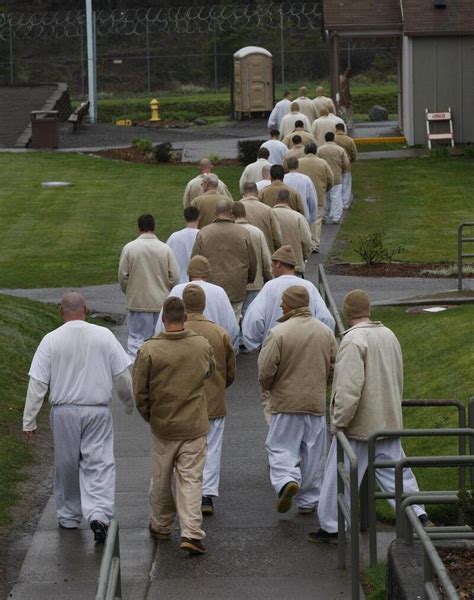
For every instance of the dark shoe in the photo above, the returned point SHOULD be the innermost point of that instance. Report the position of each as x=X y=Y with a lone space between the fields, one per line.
x=192 y=546
x=286 y=495
x=207 y=507
x=321 y=536
x=159 y=535
x=100 y=531
x=425 y=521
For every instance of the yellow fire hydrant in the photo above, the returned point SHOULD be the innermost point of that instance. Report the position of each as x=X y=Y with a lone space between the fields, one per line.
x=155 y=111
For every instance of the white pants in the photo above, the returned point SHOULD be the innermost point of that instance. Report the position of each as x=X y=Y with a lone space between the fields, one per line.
x=346 y=189
x=212 y=467
x=333 y=206
x=385 y=449
x=141 y=326
x=296 y=446
x=84 y=482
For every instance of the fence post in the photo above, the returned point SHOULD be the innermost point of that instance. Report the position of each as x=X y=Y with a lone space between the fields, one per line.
x=470 y=416
x=371 y=504
x=341 y=522
x=11 y=52
x=282 y=47
x=148 y=66
x=82 y=58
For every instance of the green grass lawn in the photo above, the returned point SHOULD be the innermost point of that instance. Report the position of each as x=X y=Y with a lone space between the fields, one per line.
x=73 y=236
x=22 y=325
x=437 y=351
x=417 y=203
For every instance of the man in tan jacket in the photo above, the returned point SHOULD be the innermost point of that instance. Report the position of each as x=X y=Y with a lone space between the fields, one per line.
x=261 y=215
x=297 y=151
x=194 y=187
x=269 y=194
x=206 y=202
x=306 y=104
x=229 y=250
x=169 y=386
x=295 y=230
x=349 y=146
x=147 y=271
x=195 y=302
x=337 y=159
x=294 y=366
x=321 y=101
x=318 y=170
x=366 y=397
x=321 y=126
x=305 y=136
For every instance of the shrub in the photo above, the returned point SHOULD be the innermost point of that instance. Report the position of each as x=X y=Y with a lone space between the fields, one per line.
x=248 y=150
x=143 y=145
x=441 y=151
x=214 y=158
x=469 y=151
x=163 y=152
x=370 y=247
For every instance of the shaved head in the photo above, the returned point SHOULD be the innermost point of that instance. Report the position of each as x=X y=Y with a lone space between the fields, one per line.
x=224 y=208
x=73 y=306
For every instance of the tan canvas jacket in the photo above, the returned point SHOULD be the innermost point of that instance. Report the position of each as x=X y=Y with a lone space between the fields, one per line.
x=320 y=127
x=349 y=146
x=253 y=173
x=229 y=250
x=337 y=159
x=147 y=271
x=194 y=189
x=207 y=207
x=269 y=196
x=169 y=377
x=368 y=381
x=295 y=231
x=224 y=357
x=296 y=152
x=323 y=101
x=306 y=137
x=296 y=362
x=264 y=266
x=261 y=215
x=319 y=171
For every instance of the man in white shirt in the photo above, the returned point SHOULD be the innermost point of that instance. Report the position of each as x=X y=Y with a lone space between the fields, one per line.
x=182 y=241
x=305 y=187
x=322 y=125
x=280 y=109
x=83 y=365
x=322 y=100
x=288 y=122
x=194 y=187
x=306 y=104
x=218 y=307
x=147 y=271
x=266 y=178
x=253 y=172
x=276 y=148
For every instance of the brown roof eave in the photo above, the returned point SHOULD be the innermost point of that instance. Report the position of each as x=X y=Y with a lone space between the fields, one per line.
x=435 y=33
x=362 y=27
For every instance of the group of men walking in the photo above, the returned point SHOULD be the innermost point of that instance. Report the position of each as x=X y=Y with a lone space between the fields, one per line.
x=231 y=279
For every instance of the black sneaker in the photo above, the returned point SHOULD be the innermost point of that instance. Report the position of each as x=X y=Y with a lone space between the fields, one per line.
x=207 y=507
x=100 y=531
x=192 y=546
x=286 y=495
x=321 y=536
x=425 y=521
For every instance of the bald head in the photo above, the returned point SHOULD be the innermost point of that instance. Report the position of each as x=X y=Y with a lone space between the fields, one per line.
x=303 y=91
x=295 y=107
x=224 y=208
x=320 y=90
x=250 y=187
x=73 y=307
x=205 y=165
x=323 y=112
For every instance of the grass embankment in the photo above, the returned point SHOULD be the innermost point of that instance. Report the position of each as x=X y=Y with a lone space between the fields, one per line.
x=437 y=351
x=417 y=203
x=73 y=236
x=22 y=325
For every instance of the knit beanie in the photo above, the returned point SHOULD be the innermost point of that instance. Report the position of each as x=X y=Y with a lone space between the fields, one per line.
x=199 y=267
x=285 y=255
x=194 y=298
x=356 y=304
x=296 y=296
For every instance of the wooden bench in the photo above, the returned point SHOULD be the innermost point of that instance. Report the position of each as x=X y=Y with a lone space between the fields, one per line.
x=78 y=115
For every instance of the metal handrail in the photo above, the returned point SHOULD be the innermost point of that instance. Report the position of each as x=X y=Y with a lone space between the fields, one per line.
x=109 y=586
x=323 y=287
x=348 y=513
x=470 y=422
x=462 y=240
x=372 y=495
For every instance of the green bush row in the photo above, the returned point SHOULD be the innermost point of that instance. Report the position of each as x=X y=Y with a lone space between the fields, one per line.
x=363 y=101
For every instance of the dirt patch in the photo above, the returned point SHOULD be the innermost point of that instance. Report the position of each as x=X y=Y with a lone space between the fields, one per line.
x=393 y=269
x=134 y=155
x=460 y=565
x=33 y=493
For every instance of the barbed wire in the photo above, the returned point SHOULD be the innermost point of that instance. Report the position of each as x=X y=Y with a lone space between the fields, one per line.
x=175 y=20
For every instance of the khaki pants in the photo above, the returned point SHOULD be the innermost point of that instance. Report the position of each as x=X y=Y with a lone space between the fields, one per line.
x=237 y=306
x=187 y=457
x=316 y=229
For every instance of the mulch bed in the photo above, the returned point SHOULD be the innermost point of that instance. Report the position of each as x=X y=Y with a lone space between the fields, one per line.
x=134 y=155
x=460 y=566
x=393 y=269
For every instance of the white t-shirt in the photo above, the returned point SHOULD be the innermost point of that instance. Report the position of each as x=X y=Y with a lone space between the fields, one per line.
x=305 y=188
x=277 y=151
x=182 y=242
x=78 y=361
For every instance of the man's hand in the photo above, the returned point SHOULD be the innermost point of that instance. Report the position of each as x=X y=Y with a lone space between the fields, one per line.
x=29 y=435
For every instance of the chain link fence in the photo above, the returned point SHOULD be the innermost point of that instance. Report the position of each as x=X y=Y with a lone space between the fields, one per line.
x=145 y=50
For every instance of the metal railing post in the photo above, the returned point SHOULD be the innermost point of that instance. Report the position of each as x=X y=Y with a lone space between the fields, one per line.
x=354 y=489
x=341 y=522
x=363 y=499
x=461 y=241
x=371 y=504
x=470 y=412
x=109 y=586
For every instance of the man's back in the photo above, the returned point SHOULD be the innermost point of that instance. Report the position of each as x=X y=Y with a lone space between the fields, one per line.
x=323 y=102
x=320 y=127
x=277 y=151
x=181 y=243
x=259 y=244
x=318 y=170
x=252 y=173
x=260 y=215
x=147 y=271
x=349 y=146
x=306 y=137
x=294 y=232
x=306 y=189
x=287 y=124
x=194 y=189
x=336 y=158
x=269 y=196
x=206 y=203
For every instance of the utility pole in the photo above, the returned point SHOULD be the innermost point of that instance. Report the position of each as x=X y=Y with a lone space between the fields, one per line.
x=91 y=62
